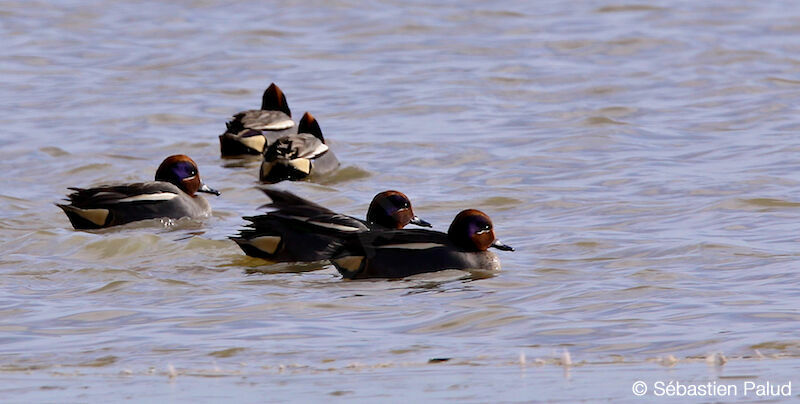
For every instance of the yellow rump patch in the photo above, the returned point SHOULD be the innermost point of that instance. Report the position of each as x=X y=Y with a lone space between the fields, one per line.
x=302 y=165
x=96 y=216
x=256 y=142
x=268 y=244
x=351 y=264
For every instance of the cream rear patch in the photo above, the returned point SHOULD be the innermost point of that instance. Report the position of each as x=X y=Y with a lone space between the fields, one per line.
x=96 y=216
x=412 y=246
x=256 y=142
x=351 y=264
x=334 y=226
x=268 y=244
x=302 y=165
x=324 y=224
x=160 y=196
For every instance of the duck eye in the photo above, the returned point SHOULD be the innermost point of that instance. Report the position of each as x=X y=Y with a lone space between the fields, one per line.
x=484 y=229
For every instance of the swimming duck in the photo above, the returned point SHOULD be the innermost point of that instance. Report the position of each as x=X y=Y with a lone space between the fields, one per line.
x=171 y=195
x=250 y=132
x=295 y=157
x=401 y=253
x=298 y=230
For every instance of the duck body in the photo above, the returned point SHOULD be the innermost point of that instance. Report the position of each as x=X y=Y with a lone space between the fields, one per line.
x=252 y=131
x=172 y=195
x=105 y=206
x=299 y=230
x=402 y=253
x=298 y=156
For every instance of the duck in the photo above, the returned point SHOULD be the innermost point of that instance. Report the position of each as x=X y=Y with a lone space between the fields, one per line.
x=298 y=156
x=298 y=230
x=250 y=132
x=171 y=195
x=401 y=253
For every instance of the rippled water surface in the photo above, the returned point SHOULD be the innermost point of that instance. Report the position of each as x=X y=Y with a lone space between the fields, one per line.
x=641 y=157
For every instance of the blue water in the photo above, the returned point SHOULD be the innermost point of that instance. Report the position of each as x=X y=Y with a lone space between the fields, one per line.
x=640 y=157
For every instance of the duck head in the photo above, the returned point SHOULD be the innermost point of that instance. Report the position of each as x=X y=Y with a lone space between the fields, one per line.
x=308 y=124
x=274 y=100
x=472 y=230
x=392 y=209
x=181 y=171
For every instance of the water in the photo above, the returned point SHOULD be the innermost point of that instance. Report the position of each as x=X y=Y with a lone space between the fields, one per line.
x=641 y=157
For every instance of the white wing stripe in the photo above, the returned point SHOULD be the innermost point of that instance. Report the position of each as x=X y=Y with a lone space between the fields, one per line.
x=321 y=148
x=280 y=125
x=334 y=226
x=161 y=196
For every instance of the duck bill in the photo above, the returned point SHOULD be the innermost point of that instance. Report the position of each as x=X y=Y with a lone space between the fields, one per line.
x=419 y=222
x=500 y=246
x=205 y=188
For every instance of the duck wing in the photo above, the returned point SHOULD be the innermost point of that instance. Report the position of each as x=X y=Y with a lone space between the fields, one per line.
x=291 y=206
x=296 y=230
x=282 y=237
x=302 y=145
x=328 y=224
x=259 y=120
x=109 y=195
x=285 y=201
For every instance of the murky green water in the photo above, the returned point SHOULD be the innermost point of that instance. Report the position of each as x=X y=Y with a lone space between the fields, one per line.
x=641 y=157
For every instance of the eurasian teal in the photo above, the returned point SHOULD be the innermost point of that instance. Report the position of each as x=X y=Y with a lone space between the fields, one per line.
x=250 y=132
x=171 y=195
x=298 y=156
x=298 y=230
x=401 y=253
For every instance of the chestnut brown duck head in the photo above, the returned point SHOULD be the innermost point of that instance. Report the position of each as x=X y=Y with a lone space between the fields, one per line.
x=392 y=210
x=274 y=100
x=472 y=230
x=182 y=171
